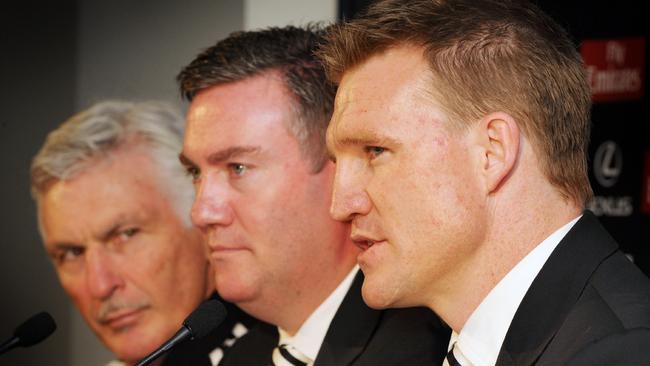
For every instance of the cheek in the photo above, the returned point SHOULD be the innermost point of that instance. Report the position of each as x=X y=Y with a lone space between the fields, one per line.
x=278 y=204
x=403 y=193
x=176 y=258
x=81 y=298
x=75 y=286
x=150 y=271
x=416 y=199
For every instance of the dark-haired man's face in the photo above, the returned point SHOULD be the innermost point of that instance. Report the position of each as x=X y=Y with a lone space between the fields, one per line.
x=263 y=211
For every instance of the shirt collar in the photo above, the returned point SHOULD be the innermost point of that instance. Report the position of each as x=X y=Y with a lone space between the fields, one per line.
x=482 y=335
x=311 y=334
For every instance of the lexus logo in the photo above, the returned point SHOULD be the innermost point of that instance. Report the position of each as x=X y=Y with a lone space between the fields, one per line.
x=608 y=163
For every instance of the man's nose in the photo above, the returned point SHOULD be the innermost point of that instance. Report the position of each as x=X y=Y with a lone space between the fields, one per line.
x=211 y=206
x=349 y=196
x=102 y=275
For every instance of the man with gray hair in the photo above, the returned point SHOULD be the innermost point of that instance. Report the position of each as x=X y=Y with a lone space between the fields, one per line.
x=113 y=205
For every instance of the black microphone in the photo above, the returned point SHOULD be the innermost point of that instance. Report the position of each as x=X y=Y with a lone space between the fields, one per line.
x=32 y=331
x=201 y=322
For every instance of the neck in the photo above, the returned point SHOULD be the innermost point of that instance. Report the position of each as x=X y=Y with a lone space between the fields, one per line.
x=514 y=227
x=299 y=300
x=292 y=320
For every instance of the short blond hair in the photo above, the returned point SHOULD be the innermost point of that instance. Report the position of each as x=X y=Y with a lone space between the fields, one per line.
x=487 y=56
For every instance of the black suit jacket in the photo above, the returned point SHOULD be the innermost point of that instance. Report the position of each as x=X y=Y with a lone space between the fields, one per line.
x=196 y=352
x=589 y=305
x=360 y=336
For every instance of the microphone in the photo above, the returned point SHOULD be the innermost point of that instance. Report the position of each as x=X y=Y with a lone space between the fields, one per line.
x=202 y=321
x=32 y=331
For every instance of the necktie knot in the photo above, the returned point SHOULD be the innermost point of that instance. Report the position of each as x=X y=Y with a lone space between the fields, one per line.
x=286 y=355
x=451 y=359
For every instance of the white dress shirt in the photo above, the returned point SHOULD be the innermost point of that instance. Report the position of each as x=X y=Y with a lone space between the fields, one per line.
x=311 y=334
x=480 y=340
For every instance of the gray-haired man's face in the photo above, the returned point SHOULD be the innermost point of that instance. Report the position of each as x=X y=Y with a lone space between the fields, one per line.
x=122 y=253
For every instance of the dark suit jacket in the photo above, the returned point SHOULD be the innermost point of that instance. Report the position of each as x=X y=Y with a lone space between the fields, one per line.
x=360 y=336
x=589 y=305
x=196 y=352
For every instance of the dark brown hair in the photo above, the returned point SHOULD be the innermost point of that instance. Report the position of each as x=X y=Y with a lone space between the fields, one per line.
x=289 y=50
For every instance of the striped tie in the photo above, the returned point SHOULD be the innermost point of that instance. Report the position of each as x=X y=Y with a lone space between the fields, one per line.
x=451 y=359
x=285 y=355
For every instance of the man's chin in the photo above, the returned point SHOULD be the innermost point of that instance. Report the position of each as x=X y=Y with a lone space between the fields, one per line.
x=376 y=297
x=133 y=355
x=236 y=296
x=130 y=346
x=235 y=290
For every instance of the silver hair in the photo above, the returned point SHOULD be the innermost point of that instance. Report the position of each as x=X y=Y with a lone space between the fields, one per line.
x=107 y=126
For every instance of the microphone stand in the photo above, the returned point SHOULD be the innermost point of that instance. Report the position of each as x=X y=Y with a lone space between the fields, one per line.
x=178 y=337
x=6 y=346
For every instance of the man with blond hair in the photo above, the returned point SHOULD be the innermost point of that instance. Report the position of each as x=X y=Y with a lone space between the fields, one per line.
x=460 y=133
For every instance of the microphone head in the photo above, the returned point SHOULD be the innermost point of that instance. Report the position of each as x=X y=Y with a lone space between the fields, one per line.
x=205 y=318
x=35 y=329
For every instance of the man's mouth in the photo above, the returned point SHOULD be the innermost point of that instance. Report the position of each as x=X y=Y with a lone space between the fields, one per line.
x=364 y=242
x=218 y=251
x=219 y=245
x=123 y=318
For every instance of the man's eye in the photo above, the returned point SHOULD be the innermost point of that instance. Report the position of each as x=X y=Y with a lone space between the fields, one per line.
x=193 y=172
x=127 y=234
x=69 y=254
x=238 y=169
x=374 y=151
x=130 y=232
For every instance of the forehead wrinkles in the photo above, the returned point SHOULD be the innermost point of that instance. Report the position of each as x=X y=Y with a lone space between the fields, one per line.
x=341 y=108
x=355 y=100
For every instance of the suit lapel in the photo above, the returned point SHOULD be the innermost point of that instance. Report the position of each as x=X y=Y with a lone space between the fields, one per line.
x=254 y=348
x=350 y=330
x=555 y=290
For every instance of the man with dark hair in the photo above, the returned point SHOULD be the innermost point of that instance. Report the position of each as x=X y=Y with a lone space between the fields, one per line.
x=460 y=133
x=113 y=209
x=255 y=146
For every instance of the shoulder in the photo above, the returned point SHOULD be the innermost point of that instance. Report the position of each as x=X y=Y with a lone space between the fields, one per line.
x=621 y=289
x=613 y=310
x=628 y=347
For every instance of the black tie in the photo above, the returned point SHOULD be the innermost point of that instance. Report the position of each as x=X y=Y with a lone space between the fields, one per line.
x=284 y=352
x=451 y=359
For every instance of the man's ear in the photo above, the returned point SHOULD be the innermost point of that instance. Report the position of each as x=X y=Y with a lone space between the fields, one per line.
x=500 y=137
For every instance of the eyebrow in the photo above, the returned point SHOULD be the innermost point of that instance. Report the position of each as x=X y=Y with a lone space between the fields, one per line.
x=223 y=155
x=231 y=152
x=366 y=139
x=53 y=248
x=104 y=236
x=185 y=160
